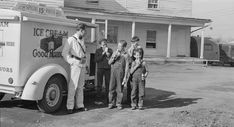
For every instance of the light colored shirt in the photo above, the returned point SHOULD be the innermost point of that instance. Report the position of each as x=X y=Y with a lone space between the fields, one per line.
x=73 y=48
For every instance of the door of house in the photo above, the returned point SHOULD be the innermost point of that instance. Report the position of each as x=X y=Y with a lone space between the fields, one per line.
x=193 y=48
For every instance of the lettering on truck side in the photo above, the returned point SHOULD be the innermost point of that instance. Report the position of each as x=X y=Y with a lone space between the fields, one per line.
x=49 y=32
x=53 y=39
x=6 y=69
x=50 y=54
x=4 y=24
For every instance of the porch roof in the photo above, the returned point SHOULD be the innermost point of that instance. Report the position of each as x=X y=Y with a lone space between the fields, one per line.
x=137 y=17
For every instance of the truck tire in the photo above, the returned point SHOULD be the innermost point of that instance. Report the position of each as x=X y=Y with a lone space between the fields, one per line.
x=52 y=96
x=2 y=95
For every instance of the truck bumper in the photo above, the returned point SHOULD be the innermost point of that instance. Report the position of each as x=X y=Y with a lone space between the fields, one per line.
x=7 y=89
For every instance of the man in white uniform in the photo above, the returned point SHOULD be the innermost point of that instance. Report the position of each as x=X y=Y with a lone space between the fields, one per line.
x=74 y=54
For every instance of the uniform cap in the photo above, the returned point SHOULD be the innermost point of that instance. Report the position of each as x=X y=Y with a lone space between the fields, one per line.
x=135 y=38
x=81 y=26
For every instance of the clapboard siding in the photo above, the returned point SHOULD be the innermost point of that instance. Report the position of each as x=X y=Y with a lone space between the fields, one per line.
x=103 y=4
x=53 y=3
x=179 y=44
x=166 y=7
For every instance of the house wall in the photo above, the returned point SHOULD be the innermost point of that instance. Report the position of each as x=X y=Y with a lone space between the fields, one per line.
x=103 y=4
x=180 y=42
x=166 y=7
x=54 y=3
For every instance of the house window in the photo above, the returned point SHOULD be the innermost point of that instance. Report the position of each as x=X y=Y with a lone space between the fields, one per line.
x=208 y=47
x=112 y=35
x=153 y=4
x=92 y=1
x=151 y=39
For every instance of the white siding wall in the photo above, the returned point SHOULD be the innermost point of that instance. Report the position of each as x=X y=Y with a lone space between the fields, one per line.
x=53 y=3
x=103 y=4
x=180 y=44
x=166 y=7
x=124 y=31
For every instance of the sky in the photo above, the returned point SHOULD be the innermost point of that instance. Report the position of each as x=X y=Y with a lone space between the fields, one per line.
x=221 y=12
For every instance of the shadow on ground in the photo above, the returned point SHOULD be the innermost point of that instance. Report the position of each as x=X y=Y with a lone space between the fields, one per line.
x=155 y=98
x=18 y=103
x=164 y=99
x=89 y=99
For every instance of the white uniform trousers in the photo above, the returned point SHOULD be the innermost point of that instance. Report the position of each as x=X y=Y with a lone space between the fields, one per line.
x=76 y=86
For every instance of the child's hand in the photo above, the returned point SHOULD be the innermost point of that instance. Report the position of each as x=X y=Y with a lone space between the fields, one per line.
x=124 y=82
x=106 y=49
x=143 y=76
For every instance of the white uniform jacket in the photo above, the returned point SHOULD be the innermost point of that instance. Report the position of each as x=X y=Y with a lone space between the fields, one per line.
x=73 y=48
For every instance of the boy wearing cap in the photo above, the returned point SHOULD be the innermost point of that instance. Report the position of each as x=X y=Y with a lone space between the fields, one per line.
x=139 y=72
x=134 y=46
x=74 y=54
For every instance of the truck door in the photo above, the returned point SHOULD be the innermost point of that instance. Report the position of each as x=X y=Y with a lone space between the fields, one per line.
x=9 y=55
x=1 y=43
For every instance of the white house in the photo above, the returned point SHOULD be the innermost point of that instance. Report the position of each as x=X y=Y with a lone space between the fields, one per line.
x=164 y=26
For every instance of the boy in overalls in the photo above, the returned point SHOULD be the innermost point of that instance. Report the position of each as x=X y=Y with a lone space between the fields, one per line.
x=119 y=66
x=139 y=72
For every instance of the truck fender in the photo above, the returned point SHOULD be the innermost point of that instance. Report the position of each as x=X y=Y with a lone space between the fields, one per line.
x=34 y=88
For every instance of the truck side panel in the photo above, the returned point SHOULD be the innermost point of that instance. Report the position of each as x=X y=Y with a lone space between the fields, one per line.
x=9 y=54
x=41 y=44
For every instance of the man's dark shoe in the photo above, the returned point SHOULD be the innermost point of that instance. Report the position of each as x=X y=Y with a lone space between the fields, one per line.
x=69 y=111
x=82 y=109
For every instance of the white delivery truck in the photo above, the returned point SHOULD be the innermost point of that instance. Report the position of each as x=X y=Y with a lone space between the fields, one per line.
x=31 y=64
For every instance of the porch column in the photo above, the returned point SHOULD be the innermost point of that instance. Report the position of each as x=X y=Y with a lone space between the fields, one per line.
x=93 y=31
x=169 y=42
x=106 y=28
x=133 y=28
x=202 y=45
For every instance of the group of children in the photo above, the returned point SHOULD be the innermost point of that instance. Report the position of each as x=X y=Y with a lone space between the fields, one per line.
x=127 y=67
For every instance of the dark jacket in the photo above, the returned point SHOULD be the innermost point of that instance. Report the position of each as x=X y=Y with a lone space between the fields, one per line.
x=102 y=60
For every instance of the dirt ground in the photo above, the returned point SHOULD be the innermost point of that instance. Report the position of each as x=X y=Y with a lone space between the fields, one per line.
x=177 y=95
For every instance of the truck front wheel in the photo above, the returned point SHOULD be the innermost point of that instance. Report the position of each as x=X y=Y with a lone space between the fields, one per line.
x=52 y=97
x=1 y=95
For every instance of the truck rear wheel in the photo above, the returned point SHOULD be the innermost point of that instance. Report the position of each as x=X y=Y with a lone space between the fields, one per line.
x=2 y=95
x=52 y=97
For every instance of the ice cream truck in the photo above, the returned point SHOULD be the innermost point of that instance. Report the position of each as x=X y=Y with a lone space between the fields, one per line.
x=31 y=64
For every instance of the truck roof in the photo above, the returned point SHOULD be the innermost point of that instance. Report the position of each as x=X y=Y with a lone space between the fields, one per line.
x=32 y=12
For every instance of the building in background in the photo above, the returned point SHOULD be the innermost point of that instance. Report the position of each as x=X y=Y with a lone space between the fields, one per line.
x=164 y=26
